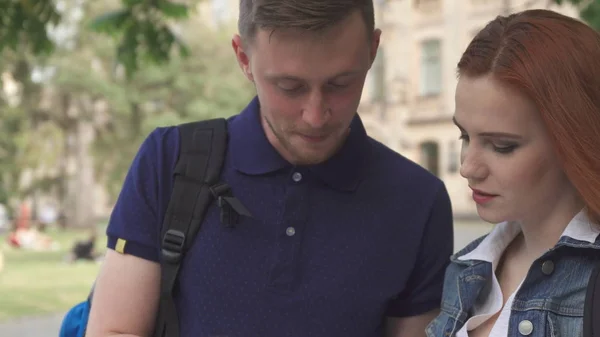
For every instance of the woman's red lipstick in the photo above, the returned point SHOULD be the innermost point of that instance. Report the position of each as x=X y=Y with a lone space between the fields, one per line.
x=481 y=197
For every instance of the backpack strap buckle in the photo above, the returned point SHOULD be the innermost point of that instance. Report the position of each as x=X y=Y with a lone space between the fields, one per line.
x=172 y=246
x=219 y=189
x=231 y=207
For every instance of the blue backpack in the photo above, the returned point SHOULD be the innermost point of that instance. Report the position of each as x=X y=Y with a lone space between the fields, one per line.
x=196 y=185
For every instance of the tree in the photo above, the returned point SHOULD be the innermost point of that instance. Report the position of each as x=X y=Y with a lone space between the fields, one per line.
x=88 y=86
x=123 y=109
x=23 y=155
x=589 y=10
x=185 y=89
x=142 y=27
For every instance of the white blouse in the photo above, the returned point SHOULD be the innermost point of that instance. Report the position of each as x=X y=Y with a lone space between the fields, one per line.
x=490 y=250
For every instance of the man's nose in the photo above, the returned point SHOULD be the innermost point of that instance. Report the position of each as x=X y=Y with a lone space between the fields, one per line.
x=315 y=112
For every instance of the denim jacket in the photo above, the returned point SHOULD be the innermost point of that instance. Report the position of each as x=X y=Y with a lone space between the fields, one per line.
x=549 y=302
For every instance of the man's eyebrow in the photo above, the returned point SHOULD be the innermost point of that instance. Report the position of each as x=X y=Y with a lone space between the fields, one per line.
x=278 y=76
x=346 y=73
x=495 y=134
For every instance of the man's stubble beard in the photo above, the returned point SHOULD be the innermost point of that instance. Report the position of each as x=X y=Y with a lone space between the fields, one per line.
x=298 y=157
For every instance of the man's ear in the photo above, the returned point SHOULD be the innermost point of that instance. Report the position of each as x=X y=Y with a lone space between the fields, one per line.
x=375 y=39
x=242 y=56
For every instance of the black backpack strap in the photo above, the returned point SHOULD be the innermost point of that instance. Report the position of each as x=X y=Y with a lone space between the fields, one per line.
x=591 y=312
x=203 y=148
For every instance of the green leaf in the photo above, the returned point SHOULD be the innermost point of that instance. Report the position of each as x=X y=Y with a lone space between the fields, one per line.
x=184 y=51
x=111 y=22
x=591 y=14
x=131 y=3
x=128 y=50
x=173 y=10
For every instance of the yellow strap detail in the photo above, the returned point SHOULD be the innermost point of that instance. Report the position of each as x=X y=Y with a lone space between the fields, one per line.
x=120 y=246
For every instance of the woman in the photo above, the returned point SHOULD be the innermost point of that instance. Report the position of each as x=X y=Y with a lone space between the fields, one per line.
x=528 y=111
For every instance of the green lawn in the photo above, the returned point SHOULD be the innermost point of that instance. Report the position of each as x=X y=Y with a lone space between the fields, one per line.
x=34 y=283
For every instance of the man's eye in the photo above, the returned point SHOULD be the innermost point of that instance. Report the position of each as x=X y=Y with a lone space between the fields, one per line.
x=290 y=89
x=289 y=86
x=339 y=84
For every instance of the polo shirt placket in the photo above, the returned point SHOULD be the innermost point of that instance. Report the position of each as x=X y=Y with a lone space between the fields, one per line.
x=291 y=229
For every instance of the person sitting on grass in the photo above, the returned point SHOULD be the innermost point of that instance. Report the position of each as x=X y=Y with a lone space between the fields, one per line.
x=84 y=249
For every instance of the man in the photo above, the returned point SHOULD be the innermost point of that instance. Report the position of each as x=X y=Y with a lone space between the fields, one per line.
x=347 y=238
x=84 y=249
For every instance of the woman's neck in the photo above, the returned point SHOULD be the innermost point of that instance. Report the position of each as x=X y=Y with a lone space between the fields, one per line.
x=541 y=232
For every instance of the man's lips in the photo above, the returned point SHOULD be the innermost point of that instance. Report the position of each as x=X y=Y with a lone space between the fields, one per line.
x=313 y=138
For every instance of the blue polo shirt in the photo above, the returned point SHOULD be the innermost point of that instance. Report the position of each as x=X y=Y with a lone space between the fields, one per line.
x=330 y=251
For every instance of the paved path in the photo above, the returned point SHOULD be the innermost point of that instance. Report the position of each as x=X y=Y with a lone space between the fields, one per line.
x=48 y=326
x=45 y=326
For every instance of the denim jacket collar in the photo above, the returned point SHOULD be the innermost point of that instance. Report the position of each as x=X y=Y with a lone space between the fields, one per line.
x=581 y=232
x=551 y=296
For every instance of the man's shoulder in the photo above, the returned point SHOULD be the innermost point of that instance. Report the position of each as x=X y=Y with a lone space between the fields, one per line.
x=164 y=135
x=160 y=149
x=160 y=146
x=398 y=168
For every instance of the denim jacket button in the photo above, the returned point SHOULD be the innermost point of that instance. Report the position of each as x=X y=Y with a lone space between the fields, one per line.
x=548 y=267
x=525 y=328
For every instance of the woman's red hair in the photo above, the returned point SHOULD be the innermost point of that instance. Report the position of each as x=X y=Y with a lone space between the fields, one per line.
x=555 y=60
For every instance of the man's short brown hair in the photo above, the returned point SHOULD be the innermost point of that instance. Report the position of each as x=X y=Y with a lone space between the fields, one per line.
x=307 y=15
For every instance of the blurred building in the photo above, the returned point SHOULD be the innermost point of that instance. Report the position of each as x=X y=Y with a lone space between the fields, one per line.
x=408 y=100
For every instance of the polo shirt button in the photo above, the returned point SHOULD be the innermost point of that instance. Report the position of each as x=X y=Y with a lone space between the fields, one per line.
x=297 y=176
x=290 y=231
x=548 y=267
x=525 y=327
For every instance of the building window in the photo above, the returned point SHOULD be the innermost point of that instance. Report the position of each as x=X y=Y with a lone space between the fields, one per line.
x=454 y=157
x=431 y=68
x=430 y=156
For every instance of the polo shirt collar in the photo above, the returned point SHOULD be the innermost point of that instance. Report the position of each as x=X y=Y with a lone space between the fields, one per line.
x=250 y=149
x=346 y=169
x=252 y=153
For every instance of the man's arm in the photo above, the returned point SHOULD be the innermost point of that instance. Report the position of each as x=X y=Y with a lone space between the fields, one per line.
x=126 y=293
x=409 y=326
x=126 y=297
x=419 y=303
